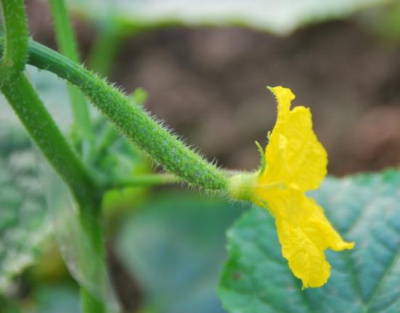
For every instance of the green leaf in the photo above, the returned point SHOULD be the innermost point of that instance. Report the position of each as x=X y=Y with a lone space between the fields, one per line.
x=174 y=247
x=23 y=215
x=26 y=180
x=280 y=17
x=24 y=222
x=60 y=298
x=46 y=298
x=139 y=97
x=363 y=208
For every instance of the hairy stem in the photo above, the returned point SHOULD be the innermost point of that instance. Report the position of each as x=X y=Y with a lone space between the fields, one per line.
x=138 y=126
x=67 y=45
x=15 y=52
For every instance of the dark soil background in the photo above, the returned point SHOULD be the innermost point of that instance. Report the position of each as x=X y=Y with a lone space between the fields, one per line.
x=208 y=85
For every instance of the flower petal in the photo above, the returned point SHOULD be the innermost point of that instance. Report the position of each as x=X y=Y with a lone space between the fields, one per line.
x=304 y=233
x=294 y=155
x=318 y=227
x=306 y=261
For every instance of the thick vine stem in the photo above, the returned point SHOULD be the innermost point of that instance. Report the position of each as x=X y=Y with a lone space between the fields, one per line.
x=32 y=113
x=43 y=130
x=40 y=125
x=140 y=127
x=15 y=52
x=30 y=109
x=91 y=224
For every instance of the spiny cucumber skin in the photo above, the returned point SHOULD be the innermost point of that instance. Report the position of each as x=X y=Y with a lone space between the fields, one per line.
x=163 y=146
x=137 y=125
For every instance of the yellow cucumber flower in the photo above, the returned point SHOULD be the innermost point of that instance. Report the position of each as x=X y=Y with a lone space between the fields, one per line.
x=294 y=162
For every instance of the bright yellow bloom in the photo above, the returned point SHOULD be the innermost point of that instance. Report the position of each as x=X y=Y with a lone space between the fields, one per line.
x=295 y=163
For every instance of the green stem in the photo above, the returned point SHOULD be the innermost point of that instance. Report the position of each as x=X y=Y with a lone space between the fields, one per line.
x=101 y=58
x=149 y=180
x=107 y=138
x=145 y=180
x=64 y=34
x=43 y=130
x=105 y=48
x=93 y=261
x=111 y=134
x=15 y=52
x=90 y=304
x=68 y=47
x=55 y=148
x=138 y=126
x=30 y=109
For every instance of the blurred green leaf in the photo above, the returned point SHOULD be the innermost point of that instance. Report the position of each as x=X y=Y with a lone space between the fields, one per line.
x=23 y=215
x=24 y=222
x=24 y=181
x=117 y=156
x=386 y=22
x=276 y=16
x=139 y=96
x=365 y=209
x=57 y=299
x=174 y=247
x=47 y=298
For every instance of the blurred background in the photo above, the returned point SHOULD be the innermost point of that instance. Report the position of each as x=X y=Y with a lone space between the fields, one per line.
x=204 y=67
